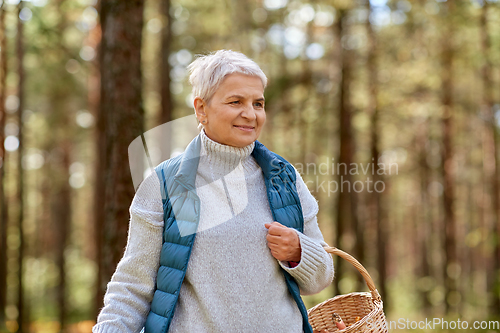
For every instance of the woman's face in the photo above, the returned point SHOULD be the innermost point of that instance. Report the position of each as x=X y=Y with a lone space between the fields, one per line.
x=235 y=114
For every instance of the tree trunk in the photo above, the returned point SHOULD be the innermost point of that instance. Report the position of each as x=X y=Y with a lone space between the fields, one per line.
x=62 y=216
x=3 y=164
x=21 y=320
x=447 y=55
x=167 y=107
x=376 y=197
x=307 y=82
x=346 y=209
x=99 y=177
x=488 y=101
x=423 y=230
x=423 y=210
x=60 y=191
x=122 y=112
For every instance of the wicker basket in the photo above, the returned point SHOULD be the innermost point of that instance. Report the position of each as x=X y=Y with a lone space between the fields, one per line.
x=366 y=305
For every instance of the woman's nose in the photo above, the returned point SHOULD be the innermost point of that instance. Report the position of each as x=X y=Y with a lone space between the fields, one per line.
x=248 y=112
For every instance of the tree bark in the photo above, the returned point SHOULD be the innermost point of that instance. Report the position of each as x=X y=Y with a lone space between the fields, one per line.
x=99 y=176
x=377 y=211
x=423 y=230
x=167 y=105
x=62 y=216
x=488 y=101
x=122 y=112
x=346 y=205
x=21 y=320
x=3 y=164
x=447 y=55
x=307 y=82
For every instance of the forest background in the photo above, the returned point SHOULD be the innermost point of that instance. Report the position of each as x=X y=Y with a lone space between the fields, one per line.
x=409 y=89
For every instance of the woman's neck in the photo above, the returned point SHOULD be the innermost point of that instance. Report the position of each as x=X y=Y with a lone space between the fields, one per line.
x=225 y=158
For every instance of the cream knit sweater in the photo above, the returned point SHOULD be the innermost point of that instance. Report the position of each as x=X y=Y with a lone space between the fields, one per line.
x=232 y=281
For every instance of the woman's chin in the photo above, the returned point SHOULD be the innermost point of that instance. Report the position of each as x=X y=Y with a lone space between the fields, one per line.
x=241 y=144
x=243 y=138
x=242 y=141
x=234 y=137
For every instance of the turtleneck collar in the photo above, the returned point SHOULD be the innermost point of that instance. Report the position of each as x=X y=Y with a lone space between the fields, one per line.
x=226 y=158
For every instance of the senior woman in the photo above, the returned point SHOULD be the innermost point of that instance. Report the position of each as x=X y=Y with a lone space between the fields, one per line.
x=223 y=237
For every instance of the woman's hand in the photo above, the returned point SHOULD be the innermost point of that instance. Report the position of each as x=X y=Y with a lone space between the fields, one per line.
x=283 y=242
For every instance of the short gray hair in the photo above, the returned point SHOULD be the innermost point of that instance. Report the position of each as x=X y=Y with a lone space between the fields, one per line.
x=208 y=71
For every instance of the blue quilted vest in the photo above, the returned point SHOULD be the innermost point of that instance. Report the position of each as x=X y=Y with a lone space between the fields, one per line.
x=181 y=207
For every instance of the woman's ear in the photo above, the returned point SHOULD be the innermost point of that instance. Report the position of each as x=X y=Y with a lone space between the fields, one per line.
x=199 y=108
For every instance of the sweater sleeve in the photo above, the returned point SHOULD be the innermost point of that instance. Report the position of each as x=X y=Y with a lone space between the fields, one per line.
x=315 y=269
x=130 y=291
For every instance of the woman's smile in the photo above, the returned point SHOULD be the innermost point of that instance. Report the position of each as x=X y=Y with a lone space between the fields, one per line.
x=245 y=128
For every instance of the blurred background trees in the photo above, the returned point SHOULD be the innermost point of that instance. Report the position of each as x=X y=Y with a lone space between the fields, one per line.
x=406 y=91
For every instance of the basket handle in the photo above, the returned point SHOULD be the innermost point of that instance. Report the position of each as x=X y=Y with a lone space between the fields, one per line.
x=359 y=267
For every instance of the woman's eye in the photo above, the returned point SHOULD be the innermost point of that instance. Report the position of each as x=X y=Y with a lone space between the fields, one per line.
x=259 y=105
x=234 y=102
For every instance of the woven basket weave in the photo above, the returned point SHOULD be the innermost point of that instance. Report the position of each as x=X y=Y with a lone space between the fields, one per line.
x=366 y=305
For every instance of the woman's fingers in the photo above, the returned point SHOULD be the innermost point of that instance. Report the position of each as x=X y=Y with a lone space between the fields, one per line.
x=283 y=242
x=275 y=228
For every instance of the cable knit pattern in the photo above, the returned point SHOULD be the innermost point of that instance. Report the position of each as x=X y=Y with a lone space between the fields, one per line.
x=232 y=281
